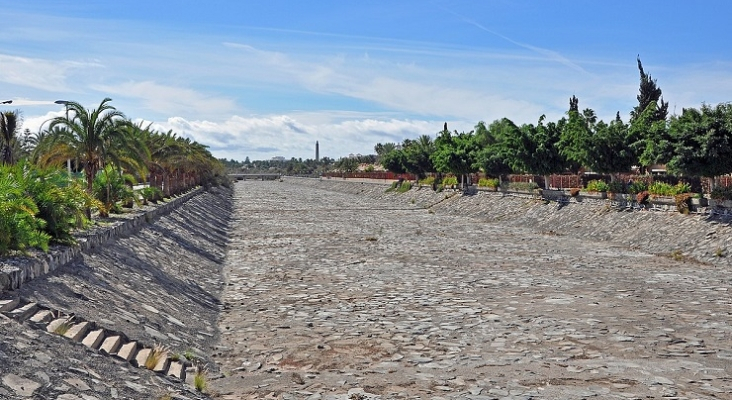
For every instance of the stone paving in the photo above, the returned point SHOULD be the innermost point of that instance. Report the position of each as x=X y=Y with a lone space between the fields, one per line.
x=334 y=295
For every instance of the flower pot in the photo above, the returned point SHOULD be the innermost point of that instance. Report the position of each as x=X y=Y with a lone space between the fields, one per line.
x=702 y=202
x=594 y=195
x=663 y=200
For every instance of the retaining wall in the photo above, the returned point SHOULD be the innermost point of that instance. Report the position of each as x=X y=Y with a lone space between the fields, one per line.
x=19 y=270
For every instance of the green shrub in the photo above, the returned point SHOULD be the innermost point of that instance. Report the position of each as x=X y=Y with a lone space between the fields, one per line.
x=111 y=188
x=637 y=187
x=597 y=186
x=427 y=181
x=61 y=203
x=666 y=189
x=682 y=187
x=393 y=187
x=449 y=181
x=615 y=187
x=404 y=187
x=19 y=226
x=488 y=182
x=151 y=194
x=661 y=189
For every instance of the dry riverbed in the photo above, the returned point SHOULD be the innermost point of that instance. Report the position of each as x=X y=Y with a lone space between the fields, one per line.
x=338 y=296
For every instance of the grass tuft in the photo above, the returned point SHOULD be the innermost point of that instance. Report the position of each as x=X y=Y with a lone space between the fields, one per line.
x=199 y=378
x=158 y=353
x=63 y=328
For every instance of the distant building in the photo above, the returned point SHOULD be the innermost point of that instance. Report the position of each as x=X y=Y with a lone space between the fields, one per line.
x=278 y=158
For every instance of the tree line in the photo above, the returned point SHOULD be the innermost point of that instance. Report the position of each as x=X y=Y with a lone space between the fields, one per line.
x=698 y=142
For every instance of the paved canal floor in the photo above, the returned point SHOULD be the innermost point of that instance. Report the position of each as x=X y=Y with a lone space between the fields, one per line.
x=337 y=296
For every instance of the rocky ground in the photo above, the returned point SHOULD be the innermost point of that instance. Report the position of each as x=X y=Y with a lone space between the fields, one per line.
x=160 y=286
x=335 y=291
x=308 y=289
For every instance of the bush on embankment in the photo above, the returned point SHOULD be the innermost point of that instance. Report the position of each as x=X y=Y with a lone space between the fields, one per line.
x=38 y=206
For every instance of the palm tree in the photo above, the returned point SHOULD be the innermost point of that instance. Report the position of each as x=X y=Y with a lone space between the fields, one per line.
x=89 y=136
x=8 y=131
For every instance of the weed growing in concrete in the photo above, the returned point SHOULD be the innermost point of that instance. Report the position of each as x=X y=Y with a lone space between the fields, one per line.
x=165 y=396
x=404 y=187
x=677 y=255
x=157 y=353
x=199 y=378
x=371 y=239
x=189 y=355
x=719 y=252
x=63 y=328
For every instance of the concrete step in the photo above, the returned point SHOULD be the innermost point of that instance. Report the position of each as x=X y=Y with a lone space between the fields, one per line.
x=177 y=370
x=127 y=351
x=54 y=325
x=108 y=343
x=111 y=345
x=94 y=339
x=141 y=358
x=8 y=304
x=42 y=317
x=24 y=312
x=78 y=331
x=162 y=365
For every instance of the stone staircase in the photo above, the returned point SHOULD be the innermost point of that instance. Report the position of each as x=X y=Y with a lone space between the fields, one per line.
x=90 y=334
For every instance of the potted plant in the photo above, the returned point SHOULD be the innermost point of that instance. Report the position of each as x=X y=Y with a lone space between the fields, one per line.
x=490 y=184
x=596 y=189
x=613 y=189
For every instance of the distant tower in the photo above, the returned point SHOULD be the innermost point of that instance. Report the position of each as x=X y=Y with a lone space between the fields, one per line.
x=317 y=151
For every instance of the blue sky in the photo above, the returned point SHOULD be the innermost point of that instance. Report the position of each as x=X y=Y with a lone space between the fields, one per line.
x=269 y=78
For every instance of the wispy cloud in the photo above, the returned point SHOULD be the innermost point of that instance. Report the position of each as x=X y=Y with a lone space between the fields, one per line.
x=548 y=54
x=46 y=74
x=165 y=99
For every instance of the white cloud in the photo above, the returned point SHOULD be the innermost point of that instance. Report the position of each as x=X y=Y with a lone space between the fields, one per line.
x=262 y=137
x=46 y=74
x=35 y=122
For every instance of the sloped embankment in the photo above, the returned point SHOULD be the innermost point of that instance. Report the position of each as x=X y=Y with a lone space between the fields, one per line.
x=698 y=237
x=159 y=286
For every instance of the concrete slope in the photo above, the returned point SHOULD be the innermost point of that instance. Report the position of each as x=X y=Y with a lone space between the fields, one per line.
x=160 y=286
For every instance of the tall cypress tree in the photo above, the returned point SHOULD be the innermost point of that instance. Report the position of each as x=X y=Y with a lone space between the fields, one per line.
x=648 y=132
x=649 y=93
